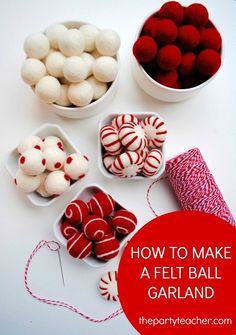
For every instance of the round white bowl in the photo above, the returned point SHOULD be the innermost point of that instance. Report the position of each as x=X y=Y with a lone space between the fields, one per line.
x=107 y=120
x=94 y=108
x=159 y=91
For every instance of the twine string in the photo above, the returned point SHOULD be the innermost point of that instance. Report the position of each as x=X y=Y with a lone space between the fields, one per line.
x=54 y=246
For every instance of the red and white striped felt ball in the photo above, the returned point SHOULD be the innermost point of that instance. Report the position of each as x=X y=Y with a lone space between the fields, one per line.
x=108 y=160
x=127 y=165
x=133 y=136
x=107 y=248
x=119 y=120
x=67 y=229
x=79 y=246
x=155 y=130
x=124 y=222
x=94 y=227
x=152 y=163
x=102 y=204
x=110 y=140
x=108 y=286
x=76 y=211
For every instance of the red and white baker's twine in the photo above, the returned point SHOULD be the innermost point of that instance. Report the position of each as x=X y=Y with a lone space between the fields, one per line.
x=148 y=194
x=54 y=246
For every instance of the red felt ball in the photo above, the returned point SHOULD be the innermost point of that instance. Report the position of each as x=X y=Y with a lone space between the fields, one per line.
x=188 y=63
x=124 y=222
x=67 y=229
x=76 y=211
x=172 y=10
x=167 y=78
x=197 y=15
x=208 y=62
x=190 y=81
x=110 y=228
x=210 y=39
x=107 y=248
x=79 y=246
x=145 y=49
x=188 y=37
x=94 y=227
x=169 y=57
x=177 y=85
x=102 y=204
x=164 y=31
x=148 y=25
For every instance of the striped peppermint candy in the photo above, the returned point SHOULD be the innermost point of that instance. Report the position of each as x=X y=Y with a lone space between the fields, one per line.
x=155 y=129
x=108 y=286
x=118 y=121
x=108 y=160
x=127 y=165
x=152 y=163
x=110 y=140
x=133 y=136
x=144 y=153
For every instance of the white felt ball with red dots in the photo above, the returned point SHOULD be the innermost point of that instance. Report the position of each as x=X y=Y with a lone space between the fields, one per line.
x=30 y=142
x=67 y=229
x=108 y=160
x=41 y=189
x=79 y=246
x=132 y=136
x=127 y=165
x=26 y=183
x=55 y=158
x=52 y=141
x=56 y=183
x=110 y=140
x=94 y=227
x=76 y=166
x=108 y=286
x=155 y=129
x=77 y=211
x=107 y=248
x=119 y=120
x=124 y=222
x=152 y=163
x=102 y=204
x=32 y=162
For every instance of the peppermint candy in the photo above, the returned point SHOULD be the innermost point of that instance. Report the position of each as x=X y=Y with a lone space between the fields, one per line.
x=133 y=136
x=155 y=130
x=127 y=165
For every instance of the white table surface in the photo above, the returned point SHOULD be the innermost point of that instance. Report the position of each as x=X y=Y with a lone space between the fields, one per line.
x=207 y=121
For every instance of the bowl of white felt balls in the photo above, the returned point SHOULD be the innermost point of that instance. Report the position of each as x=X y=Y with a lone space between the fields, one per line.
x=46 y=164
x=73 y=67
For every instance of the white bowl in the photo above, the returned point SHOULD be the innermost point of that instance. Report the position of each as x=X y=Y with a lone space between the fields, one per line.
x=106 y=173
x=43 y=131
x=86 y=194
x=94 y=108
x=159 y=91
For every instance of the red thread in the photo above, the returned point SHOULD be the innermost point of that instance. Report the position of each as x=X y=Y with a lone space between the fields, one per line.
x=54 y=246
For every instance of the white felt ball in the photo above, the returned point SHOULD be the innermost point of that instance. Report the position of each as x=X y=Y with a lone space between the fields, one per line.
x=76 y=166
x=63 y=98
x=80 y=94
x=56 y=183
x=32 y=71
x=54 y=63
x=105 y=69
x=89 y=60
x=41 y=189
x=48 y=89
x=72 y=43
x=108 y=42
x=30 y=142
x=99 y=88
x=32 y=162
x=90 y=32
x=52 y=141
x=53 y=34
x=75 y=69
x=36 y=46
x=26 y=183
x=55 y=158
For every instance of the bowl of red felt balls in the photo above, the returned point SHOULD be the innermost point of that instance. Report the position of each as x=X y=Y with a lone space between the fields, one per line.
x=94 y=226
x=177 y=51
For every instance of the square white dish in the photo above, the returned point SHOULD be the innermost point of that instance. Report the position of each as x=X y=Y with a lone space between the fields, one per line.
x=46 y=129
x=86 y=194
x=107 y=120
